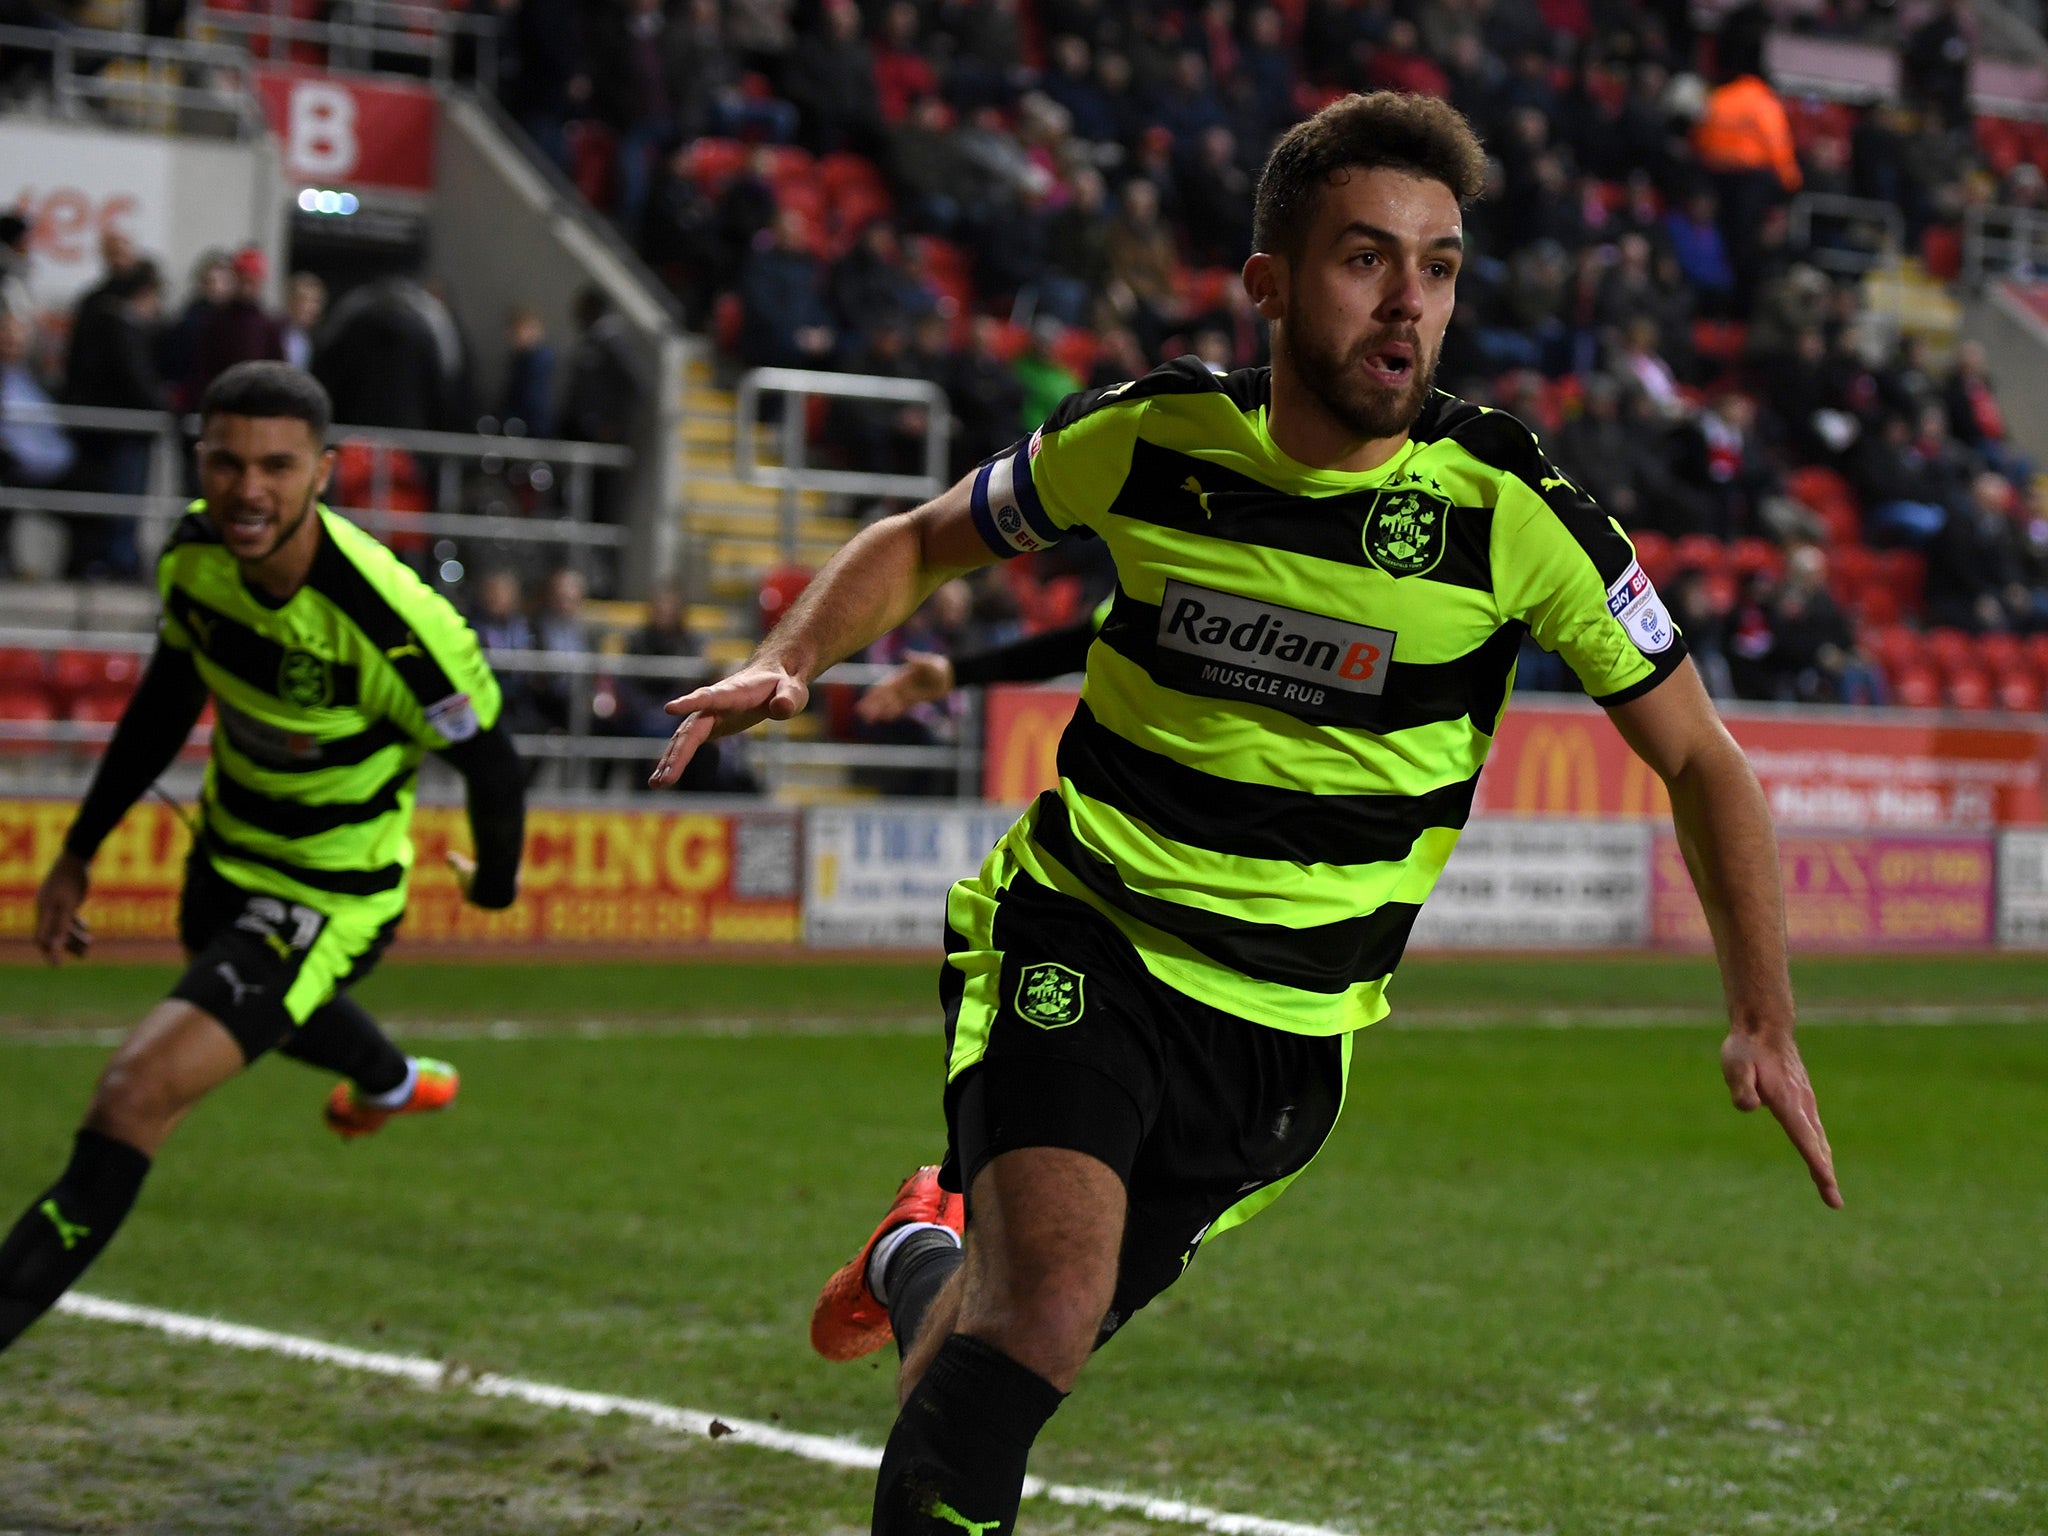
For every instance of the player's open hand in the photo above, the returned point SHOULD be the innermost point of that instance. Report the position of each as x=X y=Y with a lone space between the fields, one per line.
x=757 y=692
x=60 y=931
x=1766 y=1069
x=923 y=678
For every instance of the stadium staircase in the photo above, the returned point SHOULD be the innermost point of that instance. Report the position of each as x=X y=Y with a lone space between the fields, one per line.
x=733 y=531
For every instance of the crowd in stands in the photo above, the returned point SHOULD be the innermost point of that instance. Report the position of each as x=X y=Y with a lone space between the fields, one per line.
x=389 y=351
x=1014 y=200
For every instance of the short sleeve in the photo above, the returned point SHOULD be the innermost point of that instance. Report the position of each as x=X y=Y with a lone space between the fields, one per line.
x=438 y=688
x=1055 y=482
x=1564 y=568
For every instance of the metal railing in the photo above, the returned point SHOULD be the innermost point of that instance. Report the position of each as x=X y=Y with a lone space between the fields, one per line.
x=2001 y=241
x=798 y=386
x=584 y=742
x=1841 y=242
x=195 y=88
x=389 y=36
x=445 y=452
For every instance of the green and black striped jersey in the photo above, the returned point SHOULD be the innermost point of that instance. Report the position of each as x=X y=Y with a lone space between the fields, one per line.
x=1286 y=711
x=324 y=706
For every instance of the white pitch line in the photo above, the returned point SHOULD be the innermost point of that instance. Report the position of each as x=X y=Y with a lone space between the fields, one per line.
x=22 y=1032
x=833 y=1450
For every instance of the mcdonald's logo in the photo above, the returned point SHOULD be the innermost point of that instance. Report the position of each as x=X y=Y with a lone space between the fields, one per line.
x=1642 y=792
x=1023 y=741
x=1557 y=772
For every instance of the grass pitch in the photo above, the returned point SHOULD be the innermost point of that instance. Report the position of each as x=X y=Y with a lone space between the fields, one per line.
x=1541 y=1280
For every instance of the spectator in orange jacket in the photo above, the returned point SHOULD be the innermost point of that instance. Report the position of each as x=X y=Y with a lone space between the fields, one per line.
x=1744 y=144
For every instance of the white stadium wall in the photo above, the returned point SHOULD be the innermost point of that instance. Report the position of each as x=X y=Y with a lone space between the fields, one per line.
x=175 y=198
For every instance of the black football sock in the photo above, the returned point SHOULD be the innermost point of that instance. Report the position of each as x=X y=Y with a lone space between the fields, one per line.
x=955 y=1460
x=917 y=1269
x=65 y=1229
x=343 y=1038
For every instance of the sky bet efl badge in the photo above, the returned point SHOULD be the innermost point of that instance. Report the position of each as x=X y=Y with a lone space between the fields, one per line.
x=1404 y=531
x=1634 y=602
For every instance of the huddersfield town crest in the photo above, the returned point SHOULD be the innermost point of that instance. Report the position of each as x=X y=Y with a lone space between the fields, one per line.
x=1404 y=531
x=305 y=680
x=1049 y=995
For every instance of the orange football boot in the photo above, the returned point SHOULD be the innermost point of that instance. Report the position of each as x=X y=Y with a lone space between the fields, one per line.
x=848 y=1321
x=434 y=1086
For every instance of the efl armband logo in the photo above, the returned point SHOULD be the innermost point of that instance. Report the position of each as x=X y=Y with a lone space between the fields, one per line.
x=1637 y=608
x=454 y=717
x=1002 y=490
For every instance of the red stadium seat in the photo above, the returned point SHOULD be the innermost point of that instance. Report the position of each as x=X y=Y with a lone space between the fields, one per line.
x=2019 y=692
x=1897 y=647
x=1202 y=288
x=1653 y=553
x=1952 y=650
x=83 y=672
x=2035 y=648
x=788 y=163
x=1722 y=590
x=1969 y=689
x=1917 y=688
x=2000 y=653
x=1755 y=557
x=105 y=708
x=1010 y=339
x=21 y=668
x=714 y=162
x=1875 y=603
x=1076 y=350
x=841 y=173
x=1906 y=572
x=1698 y=552
x=808 y=199
x=1819 y=487
x=1850 y=569
x=24 y=705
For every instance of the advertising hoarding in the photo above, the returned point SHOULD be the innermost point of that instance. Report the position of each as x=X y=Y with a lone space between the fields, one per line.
x=1563 y=759
x=2023 y=889
x=1850 y=891
x=877 y=876
x=595 y=877
x=1526 y=884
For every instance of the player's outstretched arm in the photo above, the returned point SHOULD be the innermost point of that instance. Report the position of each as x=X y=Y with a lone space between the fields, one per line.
x=153 y=727
x=873 y=584
x=1724 y=831
x=494 y=780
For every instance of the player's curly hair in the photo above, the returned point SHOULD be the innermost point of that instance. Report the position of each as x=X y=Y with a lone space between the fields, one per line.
x=1392 y=129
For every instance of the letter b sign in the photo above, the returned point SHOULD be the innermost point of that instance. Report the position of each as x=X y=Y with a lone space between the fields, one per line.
x=322 y=139
x=1360 y=662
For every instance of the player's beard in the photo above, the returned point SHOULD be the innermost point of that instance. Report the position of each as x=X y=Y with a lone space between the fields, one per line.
x=285 y=537
x=1368 y=410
